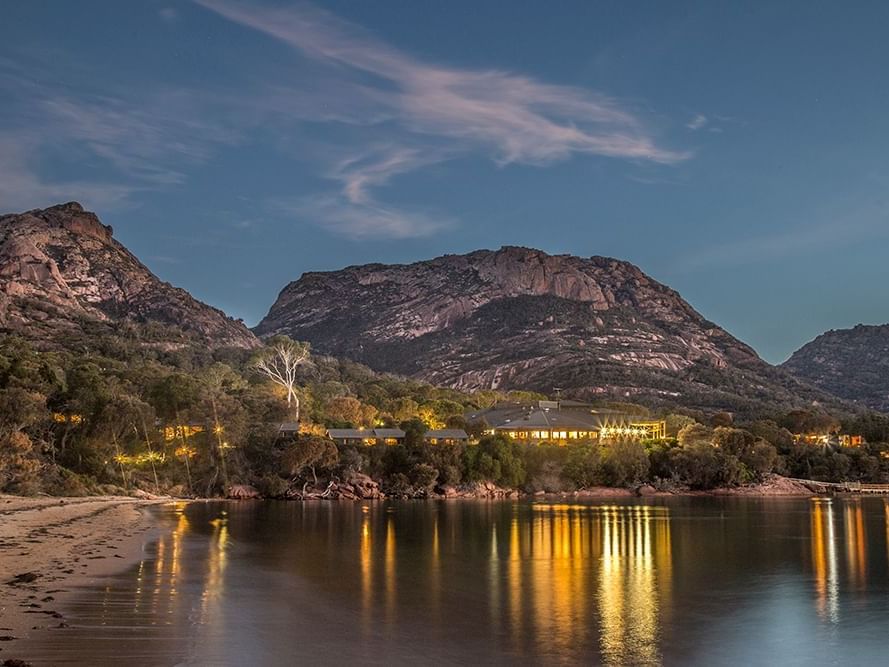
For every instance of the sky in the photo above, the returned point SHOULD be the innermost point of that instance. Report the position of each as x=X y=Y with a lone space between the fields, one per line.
x=734 y=151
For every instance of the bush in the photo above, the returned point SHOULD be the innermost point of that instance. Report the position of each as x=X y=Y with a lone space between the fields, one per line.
x=272 y=486
x=702 y=466
x=583 y=468
x=548 y=478
x=625 y=463
x=423 y=476
x=496 y=459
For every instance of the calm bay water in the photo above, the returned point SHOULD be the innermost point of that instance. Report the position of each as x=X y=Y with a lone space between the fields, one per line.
x=700 y=581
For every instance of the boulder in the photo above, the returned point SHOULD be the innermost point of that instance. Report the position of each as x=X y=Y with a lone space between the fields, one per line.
x=242 y=492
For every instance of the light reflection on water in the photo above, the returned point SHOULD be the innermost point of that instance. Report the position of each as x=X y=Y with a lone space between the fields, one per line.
x=631 y=583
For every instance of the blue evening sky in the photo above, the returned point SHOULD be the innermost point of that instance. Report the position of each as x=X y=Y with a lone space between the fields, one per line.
x=735 y=151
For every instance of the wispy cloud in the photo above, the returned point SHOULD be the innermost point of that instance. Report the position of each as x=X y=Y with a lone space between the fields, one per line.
x=697 y=122
x=441 y=111
x=122 y=143
x=401 y=115
x=853 y=226
x=519 y=118
x=22 y=187
x=363 y=221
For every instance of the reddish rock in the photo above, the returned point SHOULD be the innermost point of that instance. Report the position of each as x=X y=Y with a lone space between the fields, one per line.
x=242 y=492
x=518 y=318
x=68 y=262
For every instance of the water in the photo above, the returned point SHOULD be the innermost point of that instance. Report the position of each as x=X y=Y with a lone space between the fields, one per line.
x=691 y=581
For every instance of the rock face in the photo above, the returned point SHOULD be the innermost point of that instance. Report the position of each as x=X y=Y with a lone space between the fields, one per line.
x=61 y=270
x=850 y=363
x=518 y=318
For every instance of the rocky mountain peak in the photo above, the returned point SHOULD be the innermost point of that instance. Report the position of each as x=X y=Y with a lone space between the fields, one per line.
x=60 y=267
x=73 y=218
x=850 y=363
x=522 y=318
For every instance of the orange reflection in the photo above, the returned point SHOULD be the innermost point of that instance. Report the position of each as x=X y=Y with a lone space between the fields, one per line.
x=366 y=560
x=636 y=560
x=856 y=542
x=824 y=559
x=390 y=570
x=620 y=557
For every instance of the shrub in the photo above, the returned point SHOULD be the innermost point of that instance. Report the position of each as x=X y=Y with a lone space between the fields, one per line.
x=625 y=463
x=496 y=459
x=583 y=467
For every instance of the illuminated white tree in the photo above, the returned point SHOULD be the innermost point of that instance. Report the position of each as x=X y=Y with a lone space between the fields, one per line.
x=279 y=362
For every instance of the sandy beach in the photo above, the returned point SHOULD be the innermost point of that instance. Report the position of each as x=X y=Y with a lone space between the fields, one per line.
x=50 y=546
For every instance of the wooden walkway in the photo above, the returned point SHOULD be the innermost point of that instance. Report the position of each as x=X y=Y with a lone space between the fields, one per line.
x=844 y=487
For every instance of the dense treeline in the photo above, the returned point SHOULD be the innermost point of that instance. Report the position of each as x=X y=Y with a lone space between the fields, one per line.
x=119 y=416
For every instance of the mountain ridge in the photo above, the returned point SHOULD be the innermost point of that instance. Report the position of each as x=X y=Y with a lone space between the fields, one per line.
x=61 y=268
x=850 y=363
x=521 y=318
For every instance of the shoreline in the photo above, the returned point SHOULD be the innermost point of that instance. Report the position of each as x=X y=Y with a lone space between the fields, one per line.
x=50 y=547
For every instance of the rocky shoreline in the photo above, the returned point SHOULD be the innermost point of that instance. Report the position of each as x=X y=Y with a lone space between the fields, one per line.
x=359 y=487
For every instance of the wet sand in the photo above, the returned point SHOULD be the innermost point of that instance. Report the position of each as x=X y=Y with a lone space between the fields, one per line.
x=51 y=546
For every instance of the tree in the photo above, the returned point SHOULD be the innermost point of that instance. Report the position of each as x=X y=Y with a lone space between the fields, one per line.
x=310 y=452
x=694 y=434
x=583 y=466
x=217 y=381
x=279 y=362
x=722 y=419
x=403 y=409
x=349 y=410
x=497 y=459
x=625 y=462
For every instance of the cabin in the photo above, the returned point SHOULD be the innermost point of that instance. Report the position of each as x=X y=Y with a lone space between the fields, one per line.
x=366 y=436
x=288 y=429
x=179 y=432
x=830 y=440
x=446 y=436
x=564 y=422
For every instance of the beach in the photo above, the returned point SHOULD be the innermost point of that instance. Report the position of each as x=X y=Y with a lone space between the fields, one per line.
x=51 y=546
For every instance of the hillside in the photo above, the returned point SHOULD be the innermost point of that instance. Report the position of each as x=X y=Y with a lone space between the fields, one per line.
x=517 y=318
x=850 y=363
x=62 y=273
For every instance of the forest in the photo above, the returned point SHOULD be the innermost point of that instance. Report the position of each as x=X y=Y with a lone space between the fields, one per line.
x=120 y=416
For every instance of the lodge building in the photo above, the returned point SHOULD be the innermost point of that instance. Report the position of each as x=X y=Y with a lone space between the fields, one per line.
x=393 y=436
x=564 y=422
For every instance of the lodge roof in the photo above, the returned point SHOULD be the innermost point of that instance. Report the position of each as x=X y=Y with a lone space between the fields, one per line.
x=448 y=434
x=361 y=433
x=547 y=415
x=388 y=433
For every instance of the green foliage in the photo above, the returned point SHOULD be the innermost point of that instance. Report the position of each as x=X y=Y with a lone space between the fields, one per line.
x=497 y=459
x=583 y=467
x=694 y=434
x=95 y=419
x=702 y=466
x=310 y=453
x=625 y=463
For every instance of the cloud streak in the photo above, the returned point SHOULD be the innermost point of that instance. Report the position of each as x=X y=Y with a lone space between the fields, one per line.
x=122 y=145
x=509 y=117
x=519 y=118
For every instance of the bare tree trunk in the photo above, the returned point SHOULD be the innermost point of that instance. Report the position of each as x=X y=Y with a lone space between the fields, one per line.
x=178 y=426
x=220 y=449
x=123 y=474
x=157 y=485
